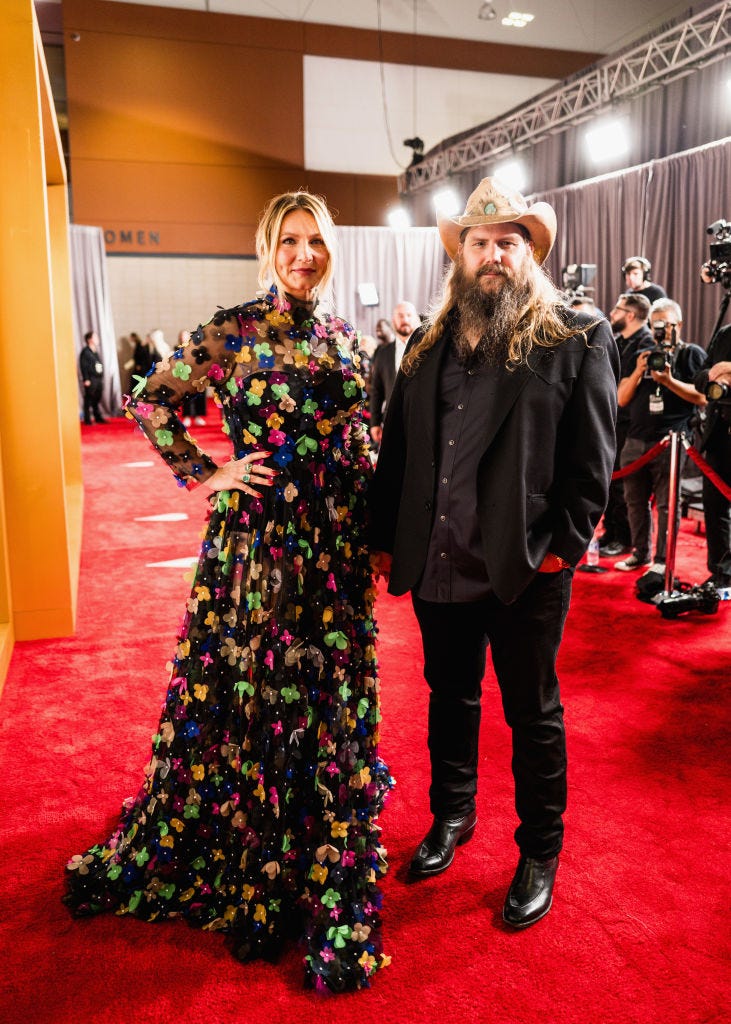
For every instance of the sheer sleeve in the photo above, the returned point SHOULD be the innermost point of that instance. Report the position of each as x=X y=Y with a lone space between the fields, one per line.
x=208 y=359
x=359 y=436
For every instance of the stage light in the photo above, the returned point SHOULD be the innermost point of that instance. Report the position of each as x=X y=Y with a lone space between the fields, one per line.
x=417 y=145
x=446 y=201
x=399 y=218
x=608 y=140
x=513 y=174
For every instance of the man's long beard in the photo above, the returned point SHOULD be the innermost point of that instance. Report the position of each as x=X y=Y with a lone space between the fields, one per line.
x=492 y=316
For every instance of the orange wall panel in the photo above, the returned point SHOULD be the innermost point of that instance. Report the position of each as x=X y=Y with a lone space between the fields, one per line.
x=178 y=139
x=183 y=208
x=172 y=101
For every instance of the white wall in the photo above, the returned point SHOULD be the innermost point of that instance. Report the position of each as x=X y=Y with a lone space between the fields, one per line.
x=172 y=293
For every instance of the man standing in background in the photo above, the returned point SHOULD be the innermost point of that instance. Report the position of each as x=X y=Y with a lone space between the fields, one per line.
x=386 y=363
x=91 y=372
x=629 y=323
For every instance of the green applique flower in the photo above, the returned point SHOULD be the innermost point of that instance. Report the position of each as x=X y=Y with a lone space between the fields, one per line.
x=306 y=444
x=330 y=897
x=164 y=438
x=182 y=370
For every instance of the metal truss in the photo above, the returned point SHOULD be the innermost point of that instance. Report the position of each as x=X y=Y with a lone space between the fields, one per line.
x=680 y=49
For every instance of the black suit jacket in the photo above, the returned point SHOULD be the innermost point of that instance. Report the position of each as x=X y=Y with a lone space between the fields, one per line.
x=544 y=477
x=383 y=375
x=715 y=433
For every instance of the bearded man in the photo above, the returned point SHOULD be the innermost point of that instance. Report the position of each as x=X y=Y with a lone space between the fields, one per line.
x=494 y=469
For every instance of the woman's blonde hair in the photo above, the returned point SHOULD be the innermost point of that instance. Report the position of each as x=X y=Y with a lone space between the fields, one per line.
x=270 y=226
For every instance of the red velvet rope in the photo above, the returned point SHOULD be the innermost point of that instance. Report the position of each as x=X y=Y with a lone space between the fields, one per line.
x=709 y=472
x=632 y=467
x=700 y=462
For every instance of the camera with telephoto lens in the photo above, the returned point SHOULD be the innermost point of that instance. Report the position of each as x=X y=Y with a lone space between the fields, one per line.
x=663 y=350
x=717 y=391
x=703 y=597
x=718 y=267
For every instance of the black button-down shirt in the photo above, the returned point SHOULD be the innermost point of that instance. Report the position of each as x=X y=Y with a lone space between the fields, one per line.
x=455 y=567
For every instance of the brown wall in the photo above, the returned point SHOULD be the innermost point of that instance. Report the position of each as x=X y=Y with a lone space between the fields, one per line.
x=183 y=124
x=177 y=143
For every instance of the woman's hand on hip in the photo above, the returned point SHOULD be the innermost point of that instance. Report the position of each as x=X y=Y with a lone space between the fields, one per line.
x=245 y=474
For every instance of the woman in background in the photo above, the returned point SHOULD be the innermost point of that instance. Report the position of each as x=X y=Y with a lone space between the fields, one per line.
x=258 y=816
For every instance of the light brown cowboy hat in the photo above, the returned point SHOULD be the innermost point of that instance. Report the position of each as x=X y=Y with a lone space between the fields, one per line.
x=493 y=203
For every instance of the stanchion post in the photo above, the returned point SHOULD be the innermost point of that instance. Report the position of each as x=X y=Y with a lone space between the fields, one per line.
x=673 y=495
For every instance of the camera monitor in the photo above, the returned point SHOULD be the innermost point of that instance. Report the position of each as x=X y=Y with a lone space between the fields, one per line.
x=578 y=275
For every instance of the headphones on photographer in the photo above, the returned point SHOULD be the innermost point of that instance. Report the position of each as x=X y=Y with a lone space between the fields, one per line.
x=643 y=263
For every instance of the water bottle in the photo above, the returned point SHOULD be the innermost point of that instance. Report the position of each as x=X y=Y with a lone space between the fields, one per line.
x=592 y=553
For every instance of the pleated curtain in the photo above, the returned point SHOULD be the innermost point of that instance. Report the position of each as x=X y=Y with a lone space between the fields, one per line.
x=92 y=310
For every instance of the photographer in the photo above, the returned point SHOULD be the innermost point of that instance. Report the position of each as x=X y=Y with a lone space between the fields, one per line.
x=656 y=387
x=628 y=318
x=716 y=448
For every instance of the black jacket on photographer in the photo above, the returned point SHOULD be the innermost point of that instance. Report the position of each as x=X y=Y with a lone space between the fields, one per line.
x=716 y=446
x=629 y=347
x=716 y=434
x=676 y=412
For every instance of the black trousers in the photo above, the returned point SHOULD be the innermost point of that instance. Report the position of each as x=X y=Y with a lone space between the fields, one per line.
x=524 y=638
x=717 y=512
x=92 y=398
x=616 y=523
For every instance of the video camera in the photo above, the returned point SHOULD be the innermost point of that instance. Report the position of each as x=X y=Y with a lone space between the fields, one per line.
x=703 y=597
x=718 y=267
x=577 y=280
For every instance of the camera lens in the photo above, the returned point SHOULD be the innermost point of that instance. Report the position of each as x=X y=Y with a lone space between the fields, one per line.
x=715 y=390
x=656 y=360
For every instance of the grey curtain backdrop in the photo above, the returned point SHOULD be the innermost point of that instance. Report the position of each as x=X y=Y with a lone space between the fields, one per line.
x=661 y=211
x=92 y=310
x=406 y=265
x=683 y=115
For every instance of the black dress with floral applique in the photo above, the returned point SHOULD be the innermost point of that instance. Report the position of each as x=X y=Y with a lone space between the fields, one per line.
x=258 y=816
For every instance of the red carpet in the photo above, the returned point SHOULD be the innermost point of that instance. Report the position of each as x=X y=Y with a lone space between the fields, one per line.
x=639 y=928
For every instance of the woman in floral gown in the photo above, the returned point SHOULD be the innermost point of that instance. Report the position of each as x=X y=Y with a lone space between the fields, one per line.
x=258 y=816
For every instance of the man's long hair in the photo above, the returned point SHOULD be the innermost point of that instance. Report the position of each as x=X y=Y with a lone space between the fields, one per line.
x=542 y=320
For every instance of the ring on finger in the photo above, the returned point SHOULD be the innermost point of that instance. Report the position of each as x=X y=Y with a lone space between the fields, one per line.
x=246 y=477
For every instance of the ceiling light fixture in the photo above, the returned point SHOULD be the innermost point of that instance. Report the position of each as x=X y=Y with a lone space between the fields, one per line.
x=487 y=12
x=516 y=19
